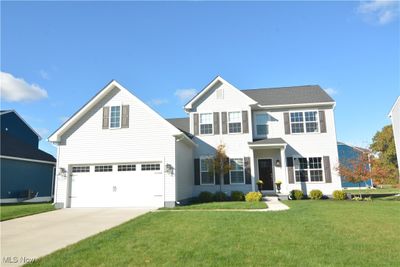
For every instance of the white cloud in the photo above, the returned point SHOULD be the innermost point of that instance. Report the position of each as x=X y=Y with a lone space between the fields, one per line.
x=331 y=91
x=158 y=101
x=185 y=94
x=379 y=11
x=16 y=89
x=44 y=74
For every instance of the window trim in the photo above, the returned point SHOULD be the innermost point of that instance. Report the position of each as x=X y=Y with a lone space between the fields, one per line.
x=240 y=121
x=304 y=121
x=120 y=117
x=230 y=171
x=255 y=123
x=201 y=178
x=212 y=123
x=308 y=169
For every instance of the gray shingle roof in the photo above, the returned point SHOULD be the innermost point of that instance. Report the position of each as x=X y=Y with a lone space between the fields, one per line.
x=268 y=141
x=289 y=95
x=182 y=124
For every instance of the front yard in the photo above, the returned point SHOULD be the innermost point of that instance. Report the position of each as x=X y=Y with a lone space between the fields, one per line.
x=12 y=211
x=374 y=191
x=240 y=205
x=311 y=233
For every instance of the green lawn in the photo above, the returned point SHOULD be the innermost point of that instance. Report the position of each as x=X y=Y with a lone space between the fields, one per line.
x=222 y=205
x=8 y=212
x=311 y=233
x=374 y=191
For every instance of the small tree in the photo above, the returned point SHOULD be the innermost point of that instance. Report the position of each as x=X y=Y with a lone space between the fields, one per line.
x=382 y=173
x=356 y=170
x=220 y=164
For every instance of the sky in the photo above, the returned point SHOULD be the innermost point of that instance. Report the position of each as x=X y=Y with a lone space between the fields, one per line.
x=56 y=55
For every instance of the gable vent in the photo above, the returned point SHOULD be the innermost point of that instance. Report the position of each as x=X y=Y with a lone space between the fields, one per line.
x=220 y=93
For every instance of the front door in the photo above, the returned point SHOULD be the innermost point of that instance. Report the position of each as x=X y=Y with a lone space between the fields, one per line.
x=265 y=173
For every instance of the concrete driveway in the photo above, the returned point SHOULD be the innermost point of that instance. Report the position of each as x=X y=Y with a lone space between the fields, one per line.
x=28 y=238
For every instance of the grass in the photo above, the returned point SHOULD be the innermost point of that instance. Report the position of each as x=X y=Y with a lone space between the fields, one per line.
x=311 y=233
x=374 y=191
x=241 y=205
x=12 y=211
x=392 y=198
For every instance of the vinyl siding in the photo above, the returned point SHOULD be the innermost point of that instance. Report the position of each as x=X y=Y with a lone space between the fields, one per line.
x=184 y=171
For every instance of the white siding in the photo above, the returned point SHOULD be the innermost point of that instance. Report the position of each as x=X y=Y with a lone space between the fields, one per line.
x=148 y=138
x=395 y=116
x=184 y=171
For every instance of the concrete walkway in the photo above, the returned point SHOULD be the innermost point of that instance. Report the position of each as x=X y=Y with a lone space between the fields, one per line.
x=274 y=204
x=28 y=238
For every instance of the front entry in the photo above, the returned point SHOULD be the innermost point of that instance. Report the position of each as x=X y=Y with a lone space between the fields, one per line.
x=265 y=173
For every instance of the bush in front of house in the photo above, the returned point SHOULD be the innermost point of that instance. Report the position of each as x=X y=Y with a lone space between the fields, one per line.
x=253 y=197
x=316 y=194
x=237 y=196
x=205 y=196
x=339 y=195
x=220 y=196
x=296 y=194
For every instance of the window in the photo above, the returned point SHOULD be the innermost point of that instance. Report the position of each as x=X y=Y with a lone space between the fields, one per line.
x=81 y=169
x=237 y=171
x=308 y=169
x=115 y=117
x=126 y=167
x=235 y=122
x=261 y=124
x=103 y=168
x=206 y=123
x=206 y=172
x=304 y=122
x=151 y=167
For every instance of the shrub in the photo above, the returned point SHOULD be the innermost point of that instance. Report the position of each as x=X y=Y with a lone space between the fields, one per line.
x=220 y=196
x=357 y=198
x=316 y=194
x=339 y=195
x=253 y=196
x=296 y=194
x=206 y=196
x=237 y=196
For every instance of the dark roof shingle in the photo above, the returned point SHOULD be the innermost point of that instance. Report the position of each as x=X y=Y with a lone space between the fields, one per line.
x=289 y=95
x=268 y=141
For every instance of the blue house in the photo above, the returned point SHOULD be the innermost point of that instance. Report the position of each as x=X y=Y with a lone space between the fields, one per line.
x=27 y=173
x=348 y=153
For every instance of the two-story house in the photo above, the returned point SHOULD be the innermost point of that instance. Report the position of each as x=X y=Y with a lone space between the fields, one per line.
x=116 y=151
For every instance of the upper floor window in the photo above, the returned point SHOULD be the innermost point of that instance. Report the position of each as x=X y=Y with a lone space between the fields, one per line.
x=115 y=117
x=235 y=122
x=261 y=124
x=304 y=121
x=308 y=169
x=206 y=172
x=206 y=123
x=237 y=171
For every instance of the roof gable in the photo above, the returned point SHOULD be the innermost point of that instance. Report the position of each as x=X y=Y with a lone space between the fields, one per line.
x=7 y=112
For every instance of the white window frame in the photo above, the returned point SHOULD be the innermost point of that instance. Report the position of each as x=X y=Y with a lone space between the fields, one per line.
x=212 y=123
x=120 y=117
x=201 y=180
x=255 y=123
x=308 y=170
x=240 y=121
x=230 y=171
x=304 y=121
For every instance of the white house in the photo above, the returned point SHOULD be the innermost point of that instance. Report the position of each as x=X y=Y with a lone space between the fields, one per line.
x=116 y=151
x=395 y=117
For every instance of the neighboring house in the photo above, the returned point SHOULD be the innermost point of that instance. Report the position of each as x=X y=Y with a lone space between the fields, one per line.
x=116 y=151
x=395 y=117
x=27 y=173
x=347 y=155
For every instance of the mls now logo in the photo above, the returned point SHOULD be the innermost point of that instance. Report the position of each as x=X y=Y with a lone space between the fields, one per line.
x=10 y=259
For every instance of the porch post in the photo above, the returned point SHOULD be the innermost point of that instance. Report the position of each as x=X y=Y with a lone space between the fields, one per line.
x=284 y=169
x=253 y=171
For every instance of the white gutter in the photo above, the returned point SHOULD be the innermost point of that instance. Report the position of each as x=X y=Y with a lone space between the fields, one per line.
x=298 y=105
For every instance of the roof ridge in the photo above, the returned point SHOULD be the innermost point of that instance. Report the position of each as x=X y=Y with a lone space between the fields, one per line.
x=281 y=87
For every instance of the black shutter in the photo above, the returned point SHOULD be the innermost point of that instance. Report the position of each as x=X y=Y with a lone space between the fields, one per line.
x=289 y=164
x=216 y=122
x=286 y=122
x=196 y=124
x=106 y=117
x=245 y=121
x=247 y=170
x=197 y=171
x=322 y=121
x=125 y=116
x=226 y=175
x=224 y=123
x=327 y=170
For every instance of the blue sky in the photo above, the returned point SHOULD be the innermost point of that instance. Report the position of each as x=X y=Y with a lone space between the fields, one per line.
x=56 y=55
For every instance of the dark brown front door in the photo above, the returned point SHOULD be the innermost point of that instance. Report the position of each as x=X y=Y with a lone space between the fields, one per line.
x=265 y=173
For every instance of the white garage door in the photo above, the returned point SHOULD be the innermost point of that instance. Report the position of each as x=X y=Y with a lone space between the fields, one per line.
x=117 y=185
